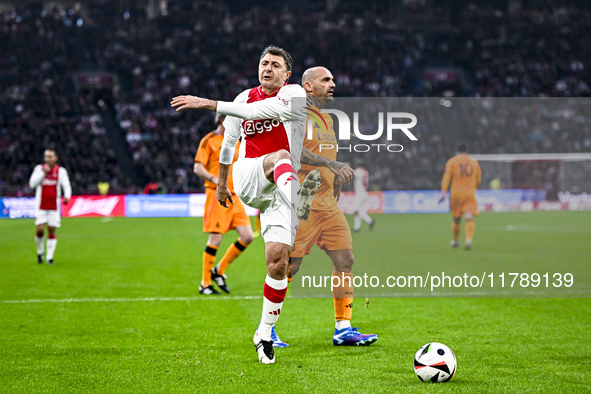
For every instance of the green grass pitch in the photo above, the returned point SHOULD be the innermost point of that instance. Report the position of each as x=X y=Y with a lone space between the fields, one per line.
x=119 y=312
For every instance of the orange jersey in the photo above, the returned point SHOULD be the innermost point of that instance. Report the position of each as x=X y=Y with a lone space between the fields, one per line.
x=322 y=133
x=464 y=173
x=208 y=154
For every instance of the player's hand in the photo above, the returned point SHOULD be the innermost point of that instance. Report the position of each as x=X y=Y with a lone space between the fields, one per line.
x=66 y=200
x=342 y=170
x=192 y=102
x=45 y=168
x=441 y=199
x=223 y=194
x=338 y=185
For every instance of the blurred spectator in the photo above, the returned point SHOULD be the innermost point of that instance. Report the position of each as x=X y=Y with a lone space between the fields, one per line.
x=152 y=188
x=103 y=188
x=207 y=47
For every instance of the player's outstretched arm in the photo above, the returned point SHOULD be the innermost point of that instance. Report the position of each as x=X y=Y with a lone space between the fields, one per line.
x=222 y=191
x=339 y=169
x=279 y=107
x=193 y=102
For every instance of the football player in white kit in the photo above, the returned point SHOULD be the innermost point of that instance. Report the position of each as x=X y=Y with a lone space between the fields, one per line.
x=272 y=127
x=360 y=187
x=49 y=180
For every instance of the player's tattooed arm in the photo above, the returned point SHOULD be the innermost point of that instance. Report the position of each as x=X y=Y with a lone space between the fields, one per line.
x=312 y=159
x=193 y=102
x=339 y=169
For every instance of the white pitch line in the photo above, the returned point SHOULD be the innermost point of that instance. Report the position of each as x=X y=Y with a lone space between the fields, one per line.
x=145 y=299
x=435 y=294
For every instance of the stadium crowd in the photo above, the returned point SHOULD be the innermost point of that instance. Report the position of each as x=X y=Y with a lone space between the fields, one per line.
x=211 y=50
x=40 y=107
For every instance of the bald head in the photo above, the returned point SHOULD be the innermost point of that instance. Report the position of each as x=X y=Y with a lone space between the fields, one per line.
x=319 y=82
x=313 y=72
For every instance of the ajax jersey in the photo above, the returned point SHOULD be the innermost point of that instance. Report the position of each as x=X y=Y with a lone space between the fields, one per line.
x=267 y=124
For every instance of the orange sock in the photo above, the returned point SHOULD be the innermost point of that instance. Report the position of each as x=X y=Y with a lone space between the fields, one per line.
x=470 y=228
x=343 y=295
x=231 y=254
x=208 y=262
x=455 y=231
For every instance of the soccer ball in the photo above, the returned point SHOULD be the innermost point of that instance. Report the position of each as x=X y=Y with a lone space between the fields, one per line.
x=435 y=363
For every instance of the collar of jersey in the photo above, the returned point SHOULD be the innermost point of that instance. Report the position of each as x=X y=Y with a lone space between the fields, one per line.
x=269 y=95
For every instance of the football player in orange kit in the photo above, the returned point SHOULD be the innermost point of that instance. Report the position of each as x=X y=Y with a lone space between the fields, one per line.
x=327 y=226
x=465 y=175
x=218 y=220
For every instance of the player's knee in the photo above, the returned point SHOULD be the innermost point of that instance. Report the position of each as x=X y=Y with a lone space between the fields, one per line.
x=277 y=269
x=215 y=239
x=247 y=238
x=51 y=231
x=271 y=161
x=468 y=217
x=348 y=264
x=457 y=220
x=39 y=233
x=344 y=263
x=277 y=259
x=283 y=154
x=294 y=267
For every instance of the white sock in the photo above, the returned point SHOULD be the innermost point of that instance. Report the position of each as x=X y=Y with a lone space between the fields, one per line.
x=273 y=296
x=365 y=217
x=340 y=324
x=357 y=222
x=51 y=244
x=40 y=245
x=287 y=181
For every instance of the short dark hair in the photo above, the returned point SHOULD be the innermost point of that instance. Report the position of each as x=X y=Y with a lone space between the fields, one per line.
x=276 y=51
x=53 y=149
x=462 y=148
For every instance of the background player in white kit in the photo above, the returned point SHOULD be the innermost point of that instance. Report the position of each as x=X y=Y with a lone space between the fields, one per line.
x=360 y=186
x=265 y=175
x=49 y=179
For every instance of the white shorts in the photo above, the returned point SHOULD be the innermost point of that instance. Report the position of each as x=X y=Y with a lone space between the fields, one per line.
x=278 y=218
x=51 y=218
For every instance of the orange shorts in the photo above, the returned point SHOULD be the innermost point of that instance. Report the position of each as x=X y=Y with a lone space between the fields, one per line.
x=217 y=219
x=461 y=203
x=327 y=229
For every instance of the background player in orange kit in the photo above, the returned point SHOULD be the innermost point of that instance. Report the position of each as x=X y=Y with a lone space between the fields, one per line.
x=327 y=226
x=218 y=220
x=464 y=173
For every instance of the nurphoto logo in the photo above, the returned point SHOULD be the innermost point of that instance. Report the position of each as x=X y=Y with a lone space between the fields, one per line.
x=392 y=122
